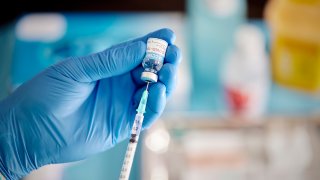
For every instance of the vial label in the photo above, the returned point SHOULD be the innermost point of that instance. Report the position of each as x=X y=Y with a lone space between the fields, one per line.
x=156 y=49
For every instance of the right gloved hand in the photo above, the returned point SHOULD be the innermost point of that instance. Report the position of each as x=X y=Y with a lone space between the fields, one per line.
x=81 y=106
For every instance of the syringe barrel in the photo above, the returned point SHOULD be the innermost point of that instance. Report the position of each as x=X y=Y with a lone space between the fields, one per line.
x=136 y=128
x=135 y=132
x=132 y=146
x=128 y=160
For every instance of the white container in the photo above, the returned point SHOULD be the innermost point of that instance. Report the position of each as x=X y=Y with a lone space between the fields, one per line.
x=246 y=78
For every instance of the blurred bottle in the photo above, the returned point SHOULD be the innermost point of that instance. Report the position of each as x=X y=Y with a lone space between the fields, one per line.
x=246 y=74
x=295 y=27
x=211 y=26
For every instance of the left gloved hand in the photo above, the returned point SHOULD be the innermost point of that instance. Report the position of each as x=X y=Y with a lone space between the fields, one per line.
x=81 y=106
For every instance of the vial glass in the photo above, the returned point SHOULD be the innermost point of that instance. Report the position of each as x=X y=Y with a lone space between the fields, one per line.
x=153 y=61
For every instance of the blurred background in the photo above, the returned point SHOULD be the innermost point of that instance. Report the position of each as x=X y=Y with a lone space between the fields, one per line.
x=247 y=104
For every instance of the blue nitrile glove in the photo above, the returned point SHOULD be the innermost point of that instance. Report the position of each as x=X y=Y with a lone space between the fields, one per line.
x=81 y=106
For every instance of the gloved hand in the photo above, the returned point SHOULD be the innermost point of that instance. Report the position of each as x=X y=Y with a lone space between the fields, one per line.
x=81 y=106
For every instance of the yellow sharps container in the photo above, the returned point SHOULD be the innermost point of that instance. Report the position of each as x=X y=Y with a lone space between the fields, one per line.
x=295 y=48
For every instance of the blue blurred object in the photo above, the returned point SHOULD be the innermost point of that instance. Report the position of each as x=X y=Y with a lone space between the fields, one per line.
x=288 y=102
x=6 y=51
x=211 y=28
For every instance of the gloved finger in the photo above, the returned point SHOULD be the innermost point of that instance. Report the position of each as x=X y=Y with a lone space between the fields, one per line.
x=168 y=76
x=136 y=76
x=111 y=62
x=165 y=34
x=173 y=55
x=155 y=104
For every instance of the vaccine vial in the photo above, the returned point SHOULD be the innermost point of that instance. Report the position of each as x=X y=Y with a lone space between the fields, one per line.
x=153 y=61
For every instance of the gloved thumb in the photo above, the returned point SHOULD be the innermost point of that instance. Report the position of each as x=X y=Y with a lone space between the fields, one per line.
x=110 y=62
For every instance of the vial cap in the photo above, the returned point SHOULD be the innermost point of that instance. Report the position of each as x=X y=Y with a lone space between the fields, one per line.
x=149 y=77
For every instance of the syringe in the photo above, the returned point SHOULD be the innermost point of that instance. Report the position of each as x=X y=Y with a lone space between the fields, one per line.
x=135 y=132
x=152 y=63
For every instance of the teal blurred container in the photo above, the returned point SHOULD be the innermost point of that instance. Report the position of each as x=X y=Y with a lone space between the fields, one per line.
x=212 y=24
x=6 y=50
